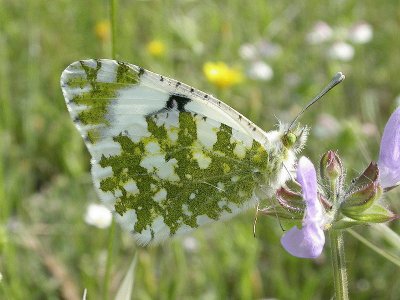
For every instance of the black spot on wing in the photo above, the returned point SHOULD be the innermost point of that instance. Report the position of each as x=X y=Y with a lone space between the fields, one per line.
x=178 y=102
x=141 y=71
x=175 y=101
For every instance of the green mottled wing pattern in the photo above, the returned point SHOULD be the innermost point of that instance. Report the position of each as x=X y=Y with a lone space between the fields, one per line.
x=165 y=157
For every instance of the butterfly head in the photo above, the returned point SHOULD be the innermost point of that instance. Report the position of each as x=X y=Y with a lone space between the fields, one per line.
x=293 y=138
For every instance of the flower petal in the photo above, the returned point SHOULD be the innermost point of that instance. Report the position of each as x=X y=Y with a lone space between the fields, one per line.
x=389 y=155
x=307 y=178
x=307 y=242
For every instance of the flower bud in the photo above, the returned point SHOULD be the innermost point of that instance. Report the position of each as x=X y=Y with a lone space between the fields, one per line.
x=331 y=166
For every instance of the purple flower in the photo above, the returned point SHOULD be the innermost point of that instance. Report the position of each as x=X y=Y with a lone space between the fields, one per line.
x=389 y=155
x=321 y=32
x=308 y=241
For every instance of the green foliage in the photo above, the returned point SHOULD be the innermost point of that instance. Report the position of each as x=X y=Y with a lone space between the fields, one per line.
x=46 y=249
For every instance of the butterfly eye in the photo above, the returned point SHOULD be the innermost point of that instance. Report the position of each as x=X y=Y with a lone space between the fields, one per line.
x=289 y=139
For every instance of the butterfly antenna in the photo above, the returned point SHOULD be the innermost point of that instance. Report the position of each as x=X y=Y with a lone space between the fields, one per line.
x=256 y=217
x=279 y=220
x=338 y=78
x=255 y=220
x=287 y=170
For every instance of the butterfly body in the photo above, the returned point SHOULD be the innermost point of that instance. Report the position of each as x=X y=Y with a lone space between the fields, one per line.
x=166 y=157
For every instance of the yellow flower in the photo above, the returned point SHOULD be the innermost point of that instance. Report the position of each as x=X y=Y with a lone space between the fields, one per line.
x=102 y=30
x=222 y=75
x=156 y=48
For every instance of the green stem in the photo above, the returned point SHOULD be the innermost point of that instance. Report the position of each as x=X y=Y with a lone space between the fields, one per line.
x=111 y=236
x=338 y=264
x=337 y=251
x=113 y=8
x=110 y=250
x=392 y=258
x=387 y=234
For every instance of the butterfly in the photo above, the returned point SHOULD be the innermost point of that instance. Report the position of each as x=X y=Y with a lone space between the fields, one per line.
x=167 y=158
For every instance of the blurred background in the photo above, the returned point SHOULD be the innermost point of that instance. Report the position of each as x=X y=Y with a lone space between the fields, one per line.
x=273 y=57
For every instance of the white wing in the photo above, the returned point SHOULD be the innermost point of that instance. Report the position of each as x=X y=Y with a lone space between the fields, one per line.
x=165 y=156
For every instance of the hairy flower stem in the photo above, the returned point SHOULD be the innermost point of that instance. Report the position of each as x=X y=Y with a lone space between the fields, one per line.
x=338 y=264
x=337 y=253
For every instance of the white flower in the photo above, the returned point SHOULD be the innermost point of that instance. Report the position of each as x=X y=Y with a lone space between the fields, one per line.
x=261 y=71
x=248 y=51
x=341 y=51
x=268 y=49
x=98 y=215
x=361 y=33
x=263 y=48
x=320 y=33
x=190 y=244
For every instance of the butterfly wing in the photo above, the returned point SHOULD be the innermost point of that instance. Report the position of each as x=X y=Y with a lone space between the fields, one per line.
x=165 y=157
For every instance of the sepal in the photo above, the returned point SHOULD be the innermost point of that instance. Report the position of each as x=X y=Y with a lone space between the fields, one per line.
x=345 y=223
x=375 y=214
x=282 y=213
x=362 y=199
x=371 y=174
x=290 y=200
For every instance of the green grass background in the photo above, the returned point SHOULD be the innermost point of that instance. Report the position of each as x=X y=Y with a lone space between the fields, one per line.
x=47 y=251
